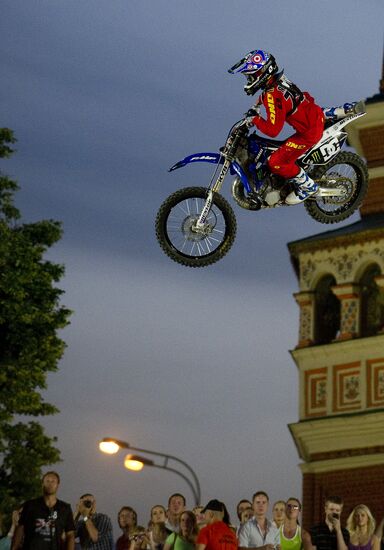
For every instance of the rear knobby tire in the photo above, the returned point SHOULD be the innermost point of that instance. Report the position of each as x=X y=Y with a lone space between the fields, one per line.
x=174 y=228
x=352 y=174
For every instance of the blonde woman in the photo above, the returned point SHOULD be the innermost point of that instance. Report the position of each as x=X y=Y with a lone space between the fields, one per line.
x=278 y=513
x=361 y=527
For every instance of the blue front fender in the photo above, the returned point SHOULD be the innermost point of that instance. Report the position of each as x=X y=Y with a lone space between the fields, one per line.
x=214 y=158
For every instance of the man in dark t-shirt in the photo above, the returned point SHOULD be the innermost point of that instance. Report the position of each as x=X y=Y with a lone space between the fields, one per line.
x=330 y=535
x=46 y=523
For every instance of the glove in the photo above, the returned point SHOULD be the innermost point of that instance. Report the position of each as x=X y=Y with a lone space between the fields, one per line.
x=247 y=122
x=253 y=111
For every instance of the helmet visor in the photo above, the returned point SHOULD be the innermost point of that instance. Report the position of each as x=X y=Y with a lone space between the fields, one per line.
x=237 y=66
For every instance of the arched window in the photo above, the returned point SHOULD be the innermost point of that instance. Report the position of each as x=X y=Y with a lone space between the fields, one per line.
x=327 y=311
x=372 y=306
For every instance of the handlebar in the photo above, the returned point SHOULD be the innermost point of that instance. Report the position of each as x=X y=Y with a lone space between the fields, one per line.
x=239 y=126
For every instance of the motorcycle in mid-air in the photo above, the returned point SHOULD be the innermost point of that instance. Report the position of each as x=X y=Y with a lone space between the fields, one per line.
x=196 y=226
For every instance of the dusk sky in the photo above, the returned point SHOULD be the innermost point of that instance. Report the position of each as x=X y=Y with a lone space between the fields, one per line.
x=103 y=97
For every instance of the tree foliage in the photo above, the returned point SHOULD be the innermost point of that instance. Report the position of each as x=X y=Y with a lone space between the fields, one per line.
x=30 y=348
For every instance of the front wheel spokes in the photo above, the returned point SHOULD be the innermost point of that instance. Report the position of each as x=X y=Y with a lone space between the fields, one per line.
x=181 y=230
x=185 y=240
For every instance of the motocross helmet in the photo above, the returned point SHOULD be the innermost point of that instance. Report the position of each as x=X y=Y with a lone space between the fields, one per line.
x=258 y=66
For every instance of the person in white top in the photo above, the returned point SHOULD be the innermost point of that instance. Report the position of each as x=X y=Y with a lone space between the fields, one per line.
x=258 y=532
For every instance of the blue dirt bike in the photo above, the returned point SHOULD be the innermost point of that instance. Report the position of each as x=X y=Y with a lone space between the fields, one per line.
x=196 y=226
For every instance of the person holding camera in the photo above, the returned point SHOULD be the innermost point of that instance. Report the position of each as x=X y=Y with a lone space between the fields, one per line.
x=127 y=520
x=138 y=540
x=94 y=530
x=330 y=535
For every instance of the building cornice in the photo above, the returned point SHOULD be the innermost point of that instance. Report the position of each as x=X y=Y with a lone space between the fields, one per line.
x=333 y=241
x=350 y=432
x=324 y=466
x=338 y=350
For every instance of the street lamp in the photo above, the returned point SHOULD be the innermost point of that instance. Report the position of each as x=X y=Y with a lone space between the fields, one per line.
x=136 y=463
x=110 y=445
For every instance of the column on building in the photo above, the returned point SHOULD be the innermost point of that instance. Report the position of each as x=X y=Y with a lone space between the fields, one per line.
x=306 y=303
x=349 y=297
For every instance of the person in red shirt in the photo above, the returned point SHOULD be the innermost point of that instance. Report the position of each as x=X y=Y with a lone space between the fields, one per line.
x=216 y=535
x=283 y=102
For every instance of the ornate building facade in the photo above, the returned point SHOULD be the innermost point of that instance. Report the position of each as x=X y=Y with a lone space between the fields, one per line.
x=340 y=352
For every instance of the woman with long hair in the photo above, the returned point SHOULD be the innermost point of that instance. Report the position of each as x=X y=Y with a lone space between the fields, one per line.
x=292 y=535
x=186 y=537
x=157 y=532
x=158 y=514
x=361 y=527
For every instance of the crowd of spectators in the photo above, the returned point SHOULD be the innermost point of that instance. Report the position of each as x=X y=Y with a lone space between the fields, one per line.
x=48 y=523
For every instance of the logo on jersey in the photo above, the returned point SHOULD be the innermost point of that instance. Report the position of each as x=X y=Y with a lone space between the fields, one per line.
x=271 y=107
x=295 y=145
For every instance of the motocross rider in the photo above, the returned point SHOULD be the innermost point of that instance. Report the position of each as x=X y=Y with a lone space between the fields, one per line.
x=283 y=102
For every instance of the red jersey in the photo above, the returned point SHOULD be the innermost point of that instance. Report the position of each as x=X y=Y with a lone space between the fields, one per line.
x=217 y=536
x=284 y=102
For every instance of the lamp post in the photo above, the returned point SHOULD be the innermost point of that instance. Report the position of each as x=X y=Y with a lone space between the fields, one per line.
x=110 y=445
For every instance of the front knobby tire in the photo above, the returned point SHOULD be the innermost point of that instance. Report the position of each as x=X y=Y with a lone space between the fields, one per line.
x=175 y=228
x=347 y=171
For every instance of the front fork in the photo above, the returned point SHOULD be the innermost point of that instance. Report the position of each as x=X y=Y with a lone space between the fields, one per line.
x=200 y=223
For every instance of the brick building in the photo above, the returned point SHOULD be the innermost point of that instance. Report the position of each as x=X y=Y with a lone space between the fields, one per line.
x=340 y=353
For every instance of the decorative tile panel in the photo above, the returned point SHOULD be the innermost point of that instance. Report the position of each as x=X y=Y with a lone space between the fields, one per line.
x=375 y=383
x=305 y=300
x=348 y=294
x=315 y=387
x=347 y=392
x=349 y=316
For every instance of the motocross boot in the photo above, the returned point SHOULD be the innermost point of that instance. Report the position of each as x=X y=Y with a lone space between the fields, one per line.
x=304 y=188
